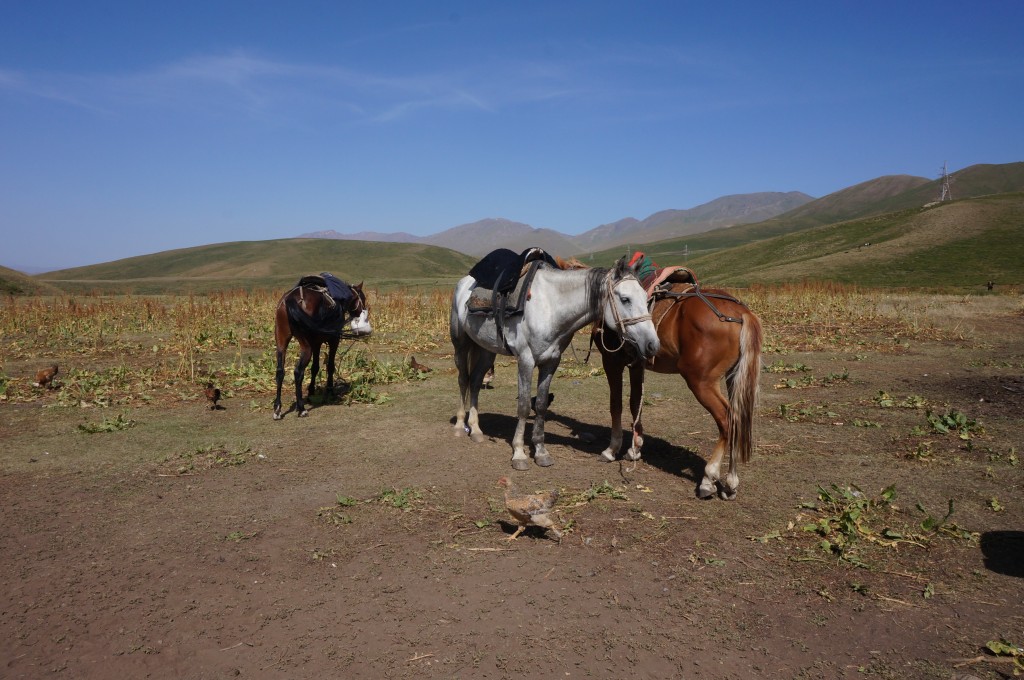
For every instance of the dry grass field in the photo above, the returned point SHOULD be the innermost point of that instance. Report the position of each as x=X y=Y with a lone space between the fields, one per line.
x=878 y=531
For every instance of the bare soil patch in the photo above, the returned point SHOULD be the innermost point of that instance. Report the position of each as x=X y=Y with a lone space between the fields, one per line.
x=369 y=542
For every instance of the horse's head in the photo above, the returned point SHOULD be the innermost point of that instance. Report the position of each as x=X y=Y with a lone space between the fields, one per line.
x=359 y=311
x=625 y=310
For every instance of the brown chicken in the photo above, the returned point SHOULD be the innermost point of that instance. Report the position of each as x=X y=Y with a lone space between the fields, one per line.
x=530 y=509
x=212 y=395
x=418 y=366
x=44 y=376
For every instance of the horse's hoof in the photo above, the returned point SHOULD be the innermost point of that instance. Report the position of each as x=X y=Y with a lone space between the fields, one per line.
x=303 y=413
x=544 y=460
x=477 y=437
x=520 y=464
x=632 y=454
x=460 y=431
x=727 y=494
x=706 y=489
x=278 y=416
x=607 y=456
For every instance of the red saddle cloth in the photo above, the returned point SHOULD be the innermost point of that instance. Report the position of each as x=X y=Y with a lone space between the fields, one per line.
x=651 y=275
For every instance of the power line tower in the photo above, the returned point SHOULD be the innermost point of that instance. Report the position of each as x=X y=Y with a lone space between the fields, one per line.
x=947 y=195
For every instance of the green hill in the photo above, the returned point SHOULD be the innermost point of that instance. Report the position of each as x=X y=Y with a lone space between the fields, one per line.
x=13 y=282
x=959 y=244
x=266 y=264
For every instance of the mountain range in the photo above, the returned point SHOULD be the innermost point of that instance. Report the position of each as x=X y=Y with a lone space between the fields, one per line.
x=889 y=231
x=481 y=237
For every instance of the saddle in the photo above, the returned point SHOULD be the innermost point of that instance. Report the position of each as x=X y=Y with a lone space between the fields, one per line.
x=676 y=283
x=652 y=276
x=503 y=281
x=335 y=291
x=665 y=277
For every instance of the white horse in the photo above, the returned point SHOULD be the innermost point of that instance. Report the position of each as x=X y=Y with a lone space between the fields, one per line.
x=559 y=304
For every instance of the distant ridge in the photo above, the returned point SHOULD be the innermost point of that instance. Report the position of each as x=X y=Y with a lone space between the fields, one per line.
x=382 y=237
x=873 y=234
x=480 y=237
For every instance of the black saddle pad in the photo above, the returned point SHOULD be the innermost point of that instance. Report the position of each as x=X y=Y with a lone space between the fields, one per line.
x=338 y=289
x=499 y=270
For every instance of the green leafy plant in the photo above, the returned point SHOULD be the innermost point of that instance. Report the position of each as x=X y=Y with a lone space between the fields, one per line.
x=402 y=499
x=121 y=422
x=1006 y=649
x=954 y=421
x=884 y=400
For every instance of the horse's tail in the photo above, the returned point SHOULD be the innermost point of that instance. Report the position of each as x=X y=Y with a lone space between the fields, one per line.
x=743 y=384
x=306 y=324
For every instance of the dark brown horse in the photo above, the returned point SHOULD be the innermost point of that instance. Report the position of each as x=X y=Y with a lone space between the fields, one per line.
x=310 y=314
x=706 y=335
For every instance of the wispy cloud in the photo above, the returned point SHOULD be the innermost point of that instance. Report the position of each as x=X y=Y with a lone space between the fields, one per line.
x=243 y=83
x=256 y=86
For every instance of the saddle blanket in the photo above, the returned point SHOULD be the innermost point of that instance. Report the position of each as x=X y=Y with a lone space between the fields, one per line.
x=500 y=269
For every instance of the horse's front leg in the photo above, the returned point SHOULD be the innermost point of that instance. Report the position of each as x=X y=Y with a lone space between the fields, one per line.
x=314 y=369
x=613 y=372
x=300 y=369
x=540 y=452
x=280 y=380
x=636 y=396
x=520 y=459
x=332 y=350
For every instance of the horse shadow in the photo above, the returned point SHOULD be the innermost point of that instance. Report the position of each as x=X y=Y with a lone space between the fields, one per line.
x=1004 y=552
x=682 y=462
x=321 y=397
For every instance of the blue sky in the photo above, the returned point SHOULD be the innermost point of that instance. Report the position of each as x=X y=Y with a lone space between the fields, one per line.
x=129 y=128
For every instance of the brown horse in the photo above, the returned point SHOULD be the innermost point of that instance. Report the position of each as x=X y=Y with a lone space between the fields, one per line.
x=310 y=314
x=705 y=335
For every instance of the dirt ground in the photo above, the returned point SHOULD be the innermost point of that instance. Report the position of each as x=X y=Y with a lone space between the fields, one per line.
x=369 y=542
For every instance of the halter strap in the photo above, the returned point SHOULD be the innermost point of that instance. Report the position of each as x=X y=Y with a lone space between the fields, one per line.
x=620 y=323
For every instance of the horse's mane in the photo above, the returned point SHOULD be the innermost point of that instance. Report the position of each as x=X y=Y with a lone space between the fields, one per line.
x=571 y=263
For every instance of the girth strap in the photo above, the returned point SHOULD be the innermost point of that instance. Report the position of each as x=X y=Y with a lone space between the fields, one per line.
x=696 y=292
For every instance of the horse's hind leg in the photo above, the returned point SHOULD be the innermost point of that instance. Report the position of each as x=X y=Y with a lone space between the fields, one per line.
x=280 y=379
x=708 y=392
x=466 y=419
x=480 y=361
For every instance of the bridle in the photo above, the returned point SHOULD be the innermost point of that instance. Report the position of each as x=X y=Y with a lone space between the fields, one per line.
x=620 y=323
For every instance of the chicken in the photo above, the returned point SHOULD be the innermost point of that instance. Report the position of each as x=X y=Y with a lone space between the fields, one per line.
x=44 y=376
x=527 y=509
x=212 y=395
x=418 y=366
x=488 y=378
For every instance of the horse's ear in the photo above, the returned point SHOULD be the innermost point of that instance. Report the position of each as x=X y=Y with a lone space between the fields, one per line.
x=358 y=286
x=621 y=267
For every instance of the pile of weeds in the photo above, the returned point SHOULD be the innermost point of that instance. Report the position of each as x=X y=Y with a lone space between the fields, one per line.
x=209 y=457
x=406 y=499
